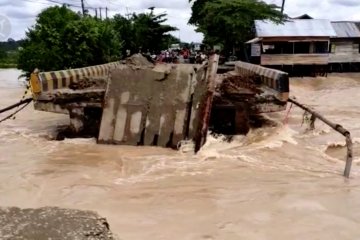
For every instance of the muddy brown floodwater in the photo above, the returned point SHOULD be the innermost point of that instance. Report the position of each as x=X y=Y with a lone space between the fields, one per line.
x=280 y=182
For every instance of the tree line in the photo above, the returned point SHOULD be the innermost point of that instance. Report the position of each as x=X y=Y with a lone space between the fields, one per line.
x=9 y=53
x=63 y=39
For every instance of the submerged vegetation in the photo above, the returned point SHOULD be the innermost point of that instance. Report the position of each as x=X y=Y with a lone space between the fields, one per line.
x=62 y=39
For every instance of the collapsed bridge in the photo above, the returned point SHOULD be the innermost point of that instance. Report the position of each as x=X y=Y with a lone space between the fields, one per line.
x=135 y=102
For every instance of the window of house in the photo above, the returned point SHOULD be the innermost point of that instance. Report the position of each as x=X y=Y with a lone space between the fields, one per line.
x=278 y=48
x=267 y=48
x=288 y=47
x=301 y=47
x=321 y=47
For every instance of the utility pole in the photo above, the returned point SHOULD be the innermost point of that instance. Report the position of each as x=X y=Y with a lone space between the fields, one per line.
x=100 y=13
x=83 y=7
x=127 y=13
x=151 y=10
x=106 y=10
x=282 y=6
x=95 y=12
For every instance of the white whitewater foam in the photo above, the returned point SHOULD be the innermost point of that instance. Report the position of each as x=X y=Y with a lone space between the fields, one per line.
x=79 y=141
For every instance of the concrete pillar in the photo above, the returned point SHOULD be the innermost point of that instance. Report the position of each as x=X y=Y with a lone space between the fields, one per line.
x=241 y=121
x=77 y=117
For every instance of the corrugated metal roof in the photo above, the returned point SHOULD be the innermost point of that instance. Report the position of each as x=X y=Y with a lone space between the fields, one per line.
x=254 y=40
x=295 y=28
x=346 y=29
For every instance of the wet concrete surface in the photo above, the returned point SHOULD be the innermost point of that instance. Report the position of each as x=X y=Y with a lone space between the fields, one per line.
x=52 y=223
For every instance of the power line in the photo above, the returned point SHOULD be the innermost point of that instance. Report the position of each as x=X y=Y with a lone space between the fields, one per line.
x=34 y=1
x=116 y=5
x=97 y=10
x=51 y=3
x=64 y=3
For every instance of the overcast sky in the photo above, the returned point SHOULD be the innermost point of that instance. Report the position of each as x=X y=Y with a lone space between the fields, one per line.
x=22 y=13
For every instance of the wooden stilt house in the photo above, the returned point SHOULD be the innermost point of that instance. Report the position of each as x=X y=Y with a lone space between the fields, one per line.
x=298 y=46
x=344 y=47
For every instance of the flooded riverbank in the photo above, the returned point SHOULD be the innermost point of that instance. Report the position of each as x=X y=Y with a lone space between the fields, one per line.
x=281 y=182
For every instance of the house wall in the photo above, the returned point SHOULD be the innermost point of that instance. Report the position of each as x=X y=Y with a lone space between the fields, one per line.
x=292 y=54
x=293 y=59
x=344 y=51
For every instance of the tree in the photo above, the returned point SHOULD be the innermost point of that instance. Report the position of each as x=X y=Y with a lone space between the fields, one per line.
x=168 y=40
x=230 y=22
x=150 y=33
x=123 y=26
x=63 y=39
x=144 y=31
x=3 y=54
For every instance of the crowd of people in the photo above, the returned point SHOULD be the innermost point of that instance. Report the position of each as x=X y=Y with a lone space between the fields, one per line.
x=178 y=56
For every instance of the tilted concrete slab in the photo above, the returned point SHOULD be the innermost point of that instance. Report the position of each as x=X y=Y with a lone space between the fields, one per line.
x=148 y=106
x=126 y=104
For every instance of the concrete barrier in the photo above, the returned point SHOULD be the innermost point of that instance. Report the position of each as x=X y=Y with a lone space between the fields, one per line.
x=272 y=78
x=49 y=81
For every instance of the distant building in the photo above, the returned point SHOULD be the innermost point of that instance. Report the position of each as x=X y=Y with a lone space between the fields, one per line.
x=296 y=42
x=197 y=46
x=344 y=47
x=303 y=43
x=175 y=46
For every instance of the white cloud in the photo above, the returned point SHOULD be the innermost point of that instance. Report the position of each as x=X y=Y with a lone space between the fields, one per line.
x=323 y=9
x=22 y=13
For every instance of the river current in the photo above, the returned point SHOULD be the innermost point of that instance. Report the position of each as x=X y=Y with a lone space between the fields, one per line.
x=278 y=182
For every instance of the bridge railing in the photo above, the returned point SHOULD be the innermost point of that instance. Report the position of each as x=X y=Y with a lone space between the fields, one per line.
x=272 y=78
x=53 y=80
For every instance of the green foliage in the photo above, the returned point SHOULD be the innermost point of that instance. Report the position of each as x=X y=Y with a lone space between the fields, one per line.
x=63 y=39
x=143 y=32
x=3 y=54
x=10 y=45
x=230 y=22
x=124 y=28
x=9 y=53
x=149 y=31
x=170 y=39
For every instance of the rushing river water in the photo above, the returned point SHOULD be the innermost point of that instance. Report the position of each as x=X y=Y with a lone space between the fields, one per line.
x=281 y=182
